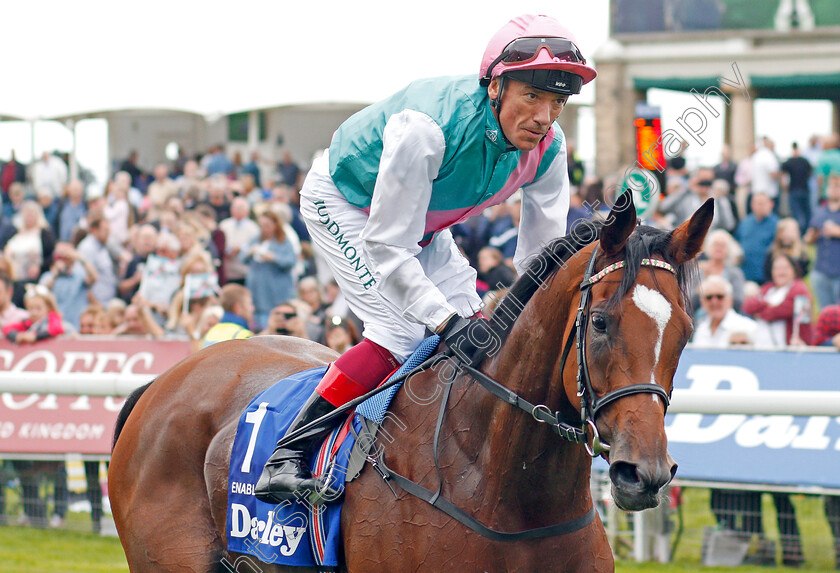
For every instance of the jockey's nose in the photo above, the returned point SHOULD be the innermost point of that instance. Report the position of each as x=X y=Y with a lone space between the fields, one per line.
x=542 y=113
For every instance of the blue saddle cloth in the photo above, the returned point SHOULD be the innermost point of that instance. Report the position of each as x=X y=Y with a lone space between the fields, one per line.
x=294 y=533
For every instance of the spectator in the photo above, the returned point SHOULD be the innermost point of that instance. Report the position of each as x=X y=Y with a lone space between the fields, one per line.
x=289 y=170
x=766 y=171
x=30 y=250
x=270 y=258
x=218 y=197
x=69 y=278
x=743 y=184
x=726 y=168
x=252 y=168
x=49 y=172
x=71 y=210
x=828 y=164
x=115 y=311
x=10 y=172
x=138 y=321
x=215 y=240
x=218 y=163
x=209 y=318
x=492 y=270
x=828 y=327
x=144 y=243
x=284 y=319
x=776 y=309
x=341 y=334
x=124 y=181
x=721 y=326
x=9 y=313
x=788 y=241
x=49 y=205
x=161 y=189
x=238 y=308
x=129 y=165
x=94 y=248
x=11 y=207
x=309 y=293
x=720 y=258
x=184 y=323
x=575 y=166
x=676 y=165
x=44 y=319
x=89 y=319
x=507 y=240
x=679 y=203
x=824 y=231
x=162 y=276
x=240 y=231
x=798 y=170
x=118 y=212
x=755 y=233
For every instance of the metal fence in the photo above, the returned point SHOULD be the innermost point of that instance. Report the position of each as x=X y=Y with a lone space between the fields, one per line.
x=65 y=494
x=727 y=525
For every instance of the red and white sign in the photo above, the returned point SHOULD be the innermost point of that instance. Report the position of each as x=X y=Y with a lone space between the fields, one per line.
x=35 y=418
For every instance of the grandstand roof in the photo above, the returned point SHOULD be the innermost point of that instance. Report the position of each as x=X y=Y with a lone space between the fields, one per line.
x=76 y=59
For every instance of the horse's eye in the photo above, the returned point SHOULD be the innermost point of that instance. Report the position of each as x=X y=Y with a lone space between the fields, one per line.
x=599 y=322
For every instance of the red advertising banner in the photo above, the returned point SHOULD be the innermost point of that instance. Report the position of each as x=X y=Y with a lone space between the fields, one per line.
x=36 y=419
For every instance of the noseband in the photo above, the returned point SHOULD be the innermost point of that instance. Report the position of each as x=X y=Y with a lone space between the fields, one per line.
x=590 y=403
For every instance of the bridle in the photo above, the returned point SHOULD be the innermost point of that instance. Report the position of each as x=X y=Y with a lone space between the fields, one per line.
x=590 y=403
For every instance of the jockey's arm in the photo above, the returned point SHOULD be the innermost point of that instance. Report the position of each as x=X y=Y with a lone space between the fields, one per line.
x=545 y=206
x=413 y=148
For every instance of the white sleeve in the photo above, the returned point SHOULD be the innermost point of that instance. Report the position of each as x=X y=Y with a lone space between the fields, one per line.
x=412 y=152
x=545 y=206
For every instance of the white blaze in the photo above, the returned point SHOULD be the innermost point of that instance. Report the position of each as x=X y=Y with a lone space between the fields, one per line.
x=656 y=306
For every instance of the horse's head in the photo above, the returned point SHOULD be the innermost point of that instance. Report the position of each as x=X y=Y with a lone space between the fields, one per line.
x=632 y=330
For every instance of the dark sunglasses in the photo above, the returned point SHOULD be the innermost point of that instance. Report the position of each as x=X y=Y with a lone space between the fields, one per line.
x=715 y=296
x=287 y=315
x=523 y=50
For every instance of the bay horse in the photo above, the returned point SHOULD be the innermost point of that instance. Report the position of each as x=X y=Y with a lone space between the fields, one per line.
x=168 y=475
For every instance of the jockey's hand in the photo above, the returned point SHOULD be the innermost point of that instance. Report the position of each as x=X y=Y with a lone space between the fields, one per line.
x=465 y=336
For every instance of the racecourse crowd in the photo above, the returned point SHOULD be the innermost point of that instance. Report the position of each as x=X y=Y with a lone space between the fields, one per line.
x=212 y=248
x=213 y=239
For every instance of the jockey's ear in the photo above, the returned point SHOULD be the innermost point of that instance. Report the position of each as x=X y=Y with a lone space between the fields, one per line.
x=687 y=239
x=619 y=224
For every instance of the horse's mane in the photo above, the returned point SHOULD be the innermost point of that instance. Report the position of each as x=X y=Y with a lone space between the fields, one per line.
x=644 y=242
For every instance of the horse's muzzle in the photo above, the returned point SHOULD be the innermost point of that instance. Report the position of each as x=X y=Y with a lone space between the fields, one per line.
x=636 y=486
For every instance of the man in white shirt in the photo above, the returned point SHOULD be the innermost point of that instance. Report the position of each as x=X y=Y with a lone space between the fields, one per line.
x=722 y=327
x=765 y=171
x=239 y=231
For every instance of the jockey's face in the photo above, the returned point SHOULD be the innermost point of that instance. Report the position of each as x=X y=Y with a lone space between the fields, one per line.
x=526 y=112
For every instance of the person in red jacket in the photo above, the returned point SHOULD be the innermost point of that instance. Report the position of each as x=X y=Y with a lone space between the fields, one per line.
x=44 y=319
x=782 y=308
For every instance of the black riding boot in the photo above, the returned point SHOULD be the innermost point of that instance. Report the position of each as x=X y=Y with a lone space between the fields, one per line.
x=286 y=475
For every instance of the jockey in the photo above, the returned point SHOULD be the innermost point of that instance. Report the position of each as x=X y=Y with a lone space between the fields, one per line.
x=397 y=174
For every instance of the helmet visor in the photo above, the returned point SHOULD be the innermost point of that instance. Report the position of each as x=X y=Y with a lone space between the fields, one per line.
x=556 y=81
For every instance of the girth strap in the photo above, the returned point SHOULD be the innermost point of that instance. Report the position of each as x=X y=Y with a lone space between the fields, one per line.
x=463 y=517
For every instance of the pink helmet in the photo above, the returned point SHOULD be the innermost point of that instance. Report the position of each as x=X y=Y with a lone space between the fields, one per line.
x=537 y=50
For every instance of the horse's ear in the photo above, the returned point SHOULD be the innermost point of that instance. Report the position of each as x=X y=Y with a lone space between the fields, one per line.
x=687 y=239
x=619 y=224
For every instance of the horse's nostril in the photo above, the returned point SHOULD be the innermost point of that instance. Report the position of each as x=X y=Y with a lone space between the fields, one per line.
x=624 y=472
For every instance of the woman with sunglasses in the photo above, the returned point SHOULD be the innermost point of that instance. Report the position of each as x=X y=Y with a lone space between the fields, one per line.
x=397 y=175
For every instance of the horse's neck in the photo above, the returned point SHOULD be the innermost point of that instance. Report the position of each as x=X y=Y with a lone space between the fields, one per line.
x=542 y=468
